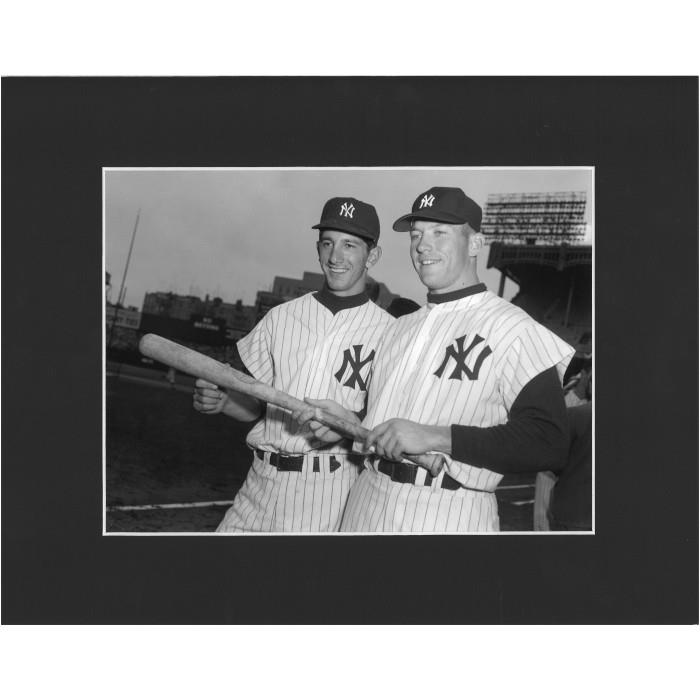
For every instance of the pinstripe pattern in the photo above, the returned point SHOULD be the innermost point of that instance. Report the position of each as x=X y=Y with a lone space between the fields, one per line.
x=274 y=501
x=298 y=347
x=377 y=504
x=404 y=385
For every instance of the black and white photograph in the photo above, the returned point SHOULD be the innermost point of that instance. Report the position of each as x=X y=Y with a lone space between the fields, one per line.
x=289 y=350
x=349 y=350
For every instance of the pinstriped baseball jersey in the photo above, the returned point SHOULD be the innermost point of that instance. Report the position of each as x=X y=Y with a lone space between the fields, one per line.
x=306 y=350
x=458 y=362
x=302 y=348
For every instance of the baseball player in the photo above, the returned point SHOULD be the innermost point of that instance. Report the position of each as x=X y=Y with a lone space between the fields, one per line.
x=469 y=376
x=319 y=345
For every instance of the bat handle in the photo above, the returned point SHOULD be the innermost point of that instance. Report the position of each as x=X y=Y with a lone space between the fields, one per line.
x=433 y=463
x=353 y=430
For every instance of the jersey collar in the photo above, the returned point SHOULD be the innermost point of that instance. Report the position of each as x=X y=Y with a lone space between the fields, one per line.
x=334 y=303
x=457 y=294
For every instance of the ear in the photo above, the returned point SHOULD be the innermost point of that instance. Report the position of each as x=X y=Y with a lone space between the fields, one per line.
x=374 y=256
x=476 y=243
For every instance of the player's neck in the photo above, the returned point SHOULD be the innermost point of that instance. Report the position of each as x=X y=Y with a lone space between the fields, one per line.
x=335 y=303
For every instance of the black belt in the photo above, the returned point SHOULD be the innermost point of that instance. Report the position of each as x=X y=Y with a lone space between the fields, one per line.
x=287 y=463
x=404 y=473
x=283 y=463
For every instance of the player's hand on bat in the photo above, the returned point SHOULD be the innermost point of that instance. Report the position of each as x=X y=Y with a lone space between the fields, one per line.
x=307 y=419
x=398 y=438
x=208 y=398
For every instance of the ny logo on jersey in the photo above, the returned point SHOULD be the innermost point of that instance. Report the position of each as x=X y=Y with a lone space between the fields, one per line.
x=347 y=210
x=427 y=201
x=356 y=364
x=459 y=355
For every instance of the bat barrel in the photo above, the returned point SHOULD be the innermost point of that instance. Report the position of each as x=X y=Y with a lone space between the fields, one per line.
x=195 y=363
x=181 y=358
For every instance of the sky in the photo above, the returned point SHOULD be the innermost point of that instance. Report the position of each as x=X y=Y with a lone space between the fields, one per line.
x=229 y=232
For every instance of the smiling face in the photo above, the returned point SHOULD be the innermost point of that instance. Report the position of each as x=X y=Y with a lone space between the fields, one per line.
x=345 y=260
x=443 y=255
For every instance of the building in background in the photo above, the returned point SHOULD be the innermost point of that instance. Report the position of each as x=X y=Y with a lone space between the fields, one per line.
x=239 y=320
x=122 y=329
x=286 y=289
x=537 y=241
x=171 y=305
x=210 y=325
x=123 y=318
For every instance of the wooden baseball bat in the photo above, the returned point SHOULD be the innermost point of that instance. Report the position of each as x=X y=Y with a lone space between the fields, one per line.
x=190 y=361
x=195 y=363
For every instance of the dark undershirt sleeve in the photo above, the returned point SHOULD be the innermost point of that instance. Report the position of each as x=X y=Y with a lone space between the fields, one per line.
x=534 y=438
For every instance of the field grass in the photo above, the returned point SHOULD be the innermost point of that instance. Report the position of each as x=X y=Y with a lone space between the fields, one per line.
x=160 y=450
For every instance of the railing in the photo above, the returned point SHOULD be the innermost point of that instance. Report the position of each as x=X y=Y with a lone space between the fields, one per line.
x=558 y=257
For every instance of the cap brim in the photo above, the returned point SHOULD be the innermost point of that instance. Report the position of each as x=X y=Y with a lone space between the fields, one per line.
x=404 y=223
x=346 y=228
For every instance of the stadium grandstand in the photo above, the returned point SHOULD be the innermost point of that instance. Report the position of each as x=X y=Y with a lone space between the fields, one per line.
x=537 y=240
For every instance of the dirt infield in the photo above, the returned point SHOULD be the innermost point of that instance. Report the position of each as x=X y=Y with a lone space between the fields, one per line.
x=161 y=451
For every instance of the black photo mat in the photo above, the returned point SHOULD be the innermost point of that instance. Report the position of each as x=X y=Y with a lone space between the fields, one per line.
x=640 y=134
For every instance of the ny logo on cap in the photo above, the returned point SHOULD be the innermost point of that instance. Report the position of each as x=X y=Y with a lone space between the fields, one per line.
x=347 y=210
x=427 y=201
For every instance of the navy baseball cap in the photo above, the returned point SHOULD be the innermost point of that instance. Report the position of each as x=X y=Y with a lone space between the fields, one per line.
x=448 y=205
x=352 y=216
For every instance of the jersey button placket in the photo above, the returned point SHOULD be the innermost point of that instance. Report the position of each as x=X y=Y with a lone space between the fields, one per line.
x=412 y=365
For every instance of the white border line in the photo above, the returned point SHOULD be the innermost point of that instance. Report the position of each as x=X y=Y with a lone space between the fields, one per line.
x=105 y=508
x=593 y=331
x=348 y=168
x=104 y=359
x=536 y=533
